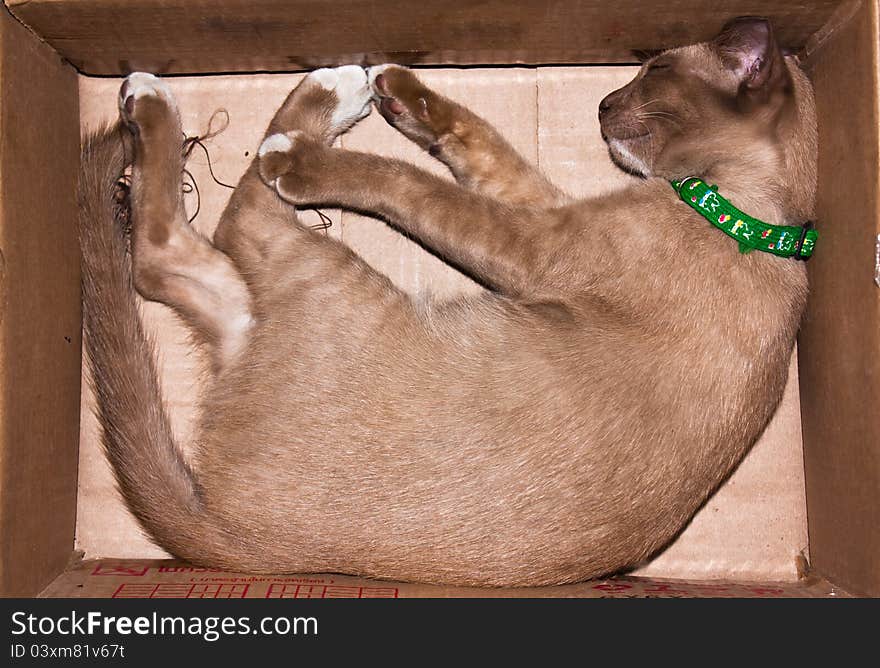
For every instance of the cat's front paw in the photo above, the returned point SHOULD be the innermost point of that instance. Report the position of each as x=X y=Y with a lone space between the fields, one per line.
x=273 y=156
x=144 y=100
x=351 y=92
x=291 y=162
x=410 y=106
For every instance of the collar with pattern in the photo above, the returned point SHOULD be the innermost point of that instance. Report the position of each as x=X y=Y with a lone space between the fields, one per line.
x=752 y=234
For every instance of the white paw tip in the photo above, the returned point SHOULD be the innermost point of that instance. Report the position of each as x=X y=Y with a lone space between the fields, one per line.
x=353 y=96
x=325 y=77
x=276 y=143
x=144 y=83
x=352 y=75
x=136 y=77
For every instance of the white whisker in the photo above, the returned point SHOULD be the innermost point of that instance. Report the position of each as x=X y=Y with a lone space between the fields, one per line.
x=642 y=106
x=660 y=116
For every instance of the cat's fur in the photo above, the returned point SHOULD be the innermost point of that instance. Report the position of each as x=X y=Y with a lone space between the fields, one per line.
x=562 y=425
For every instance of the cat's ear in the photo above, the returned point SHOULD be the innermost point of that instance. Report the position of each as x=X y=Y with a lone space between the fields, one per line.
x=644 y=55
x=747 y=47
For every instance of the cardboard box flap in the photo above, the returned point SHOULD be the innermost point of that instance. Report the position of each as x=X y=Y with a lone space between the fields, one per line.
x=840 y=335
x=39 y=310
x=175 y=36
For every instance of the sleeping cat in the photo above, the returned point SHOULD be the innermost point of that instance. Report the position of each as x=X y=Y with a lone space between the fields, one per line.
x=563 y=424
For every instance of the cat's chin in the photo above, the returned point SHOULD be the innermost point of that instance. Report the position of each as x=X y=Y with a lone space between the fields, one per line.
x=622 y=156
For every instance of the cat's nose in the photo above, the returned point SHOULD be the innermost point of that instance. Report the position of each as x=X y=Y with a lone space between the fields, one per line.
x=604 y=106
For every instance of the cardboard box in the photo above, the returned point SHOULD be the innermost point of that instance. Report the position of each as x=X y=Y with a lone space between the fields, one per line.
x=800 y=517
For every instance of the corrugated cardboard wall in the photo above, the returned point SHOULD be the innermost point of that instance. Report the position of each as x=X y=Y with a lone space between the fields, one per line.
x=39 y=310
x=183 y=37
x=841 y=329
x=754 y=528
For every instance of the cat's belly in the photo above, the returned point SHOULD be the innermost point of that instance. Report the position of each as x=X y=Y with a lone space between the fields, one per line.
x=399 y=467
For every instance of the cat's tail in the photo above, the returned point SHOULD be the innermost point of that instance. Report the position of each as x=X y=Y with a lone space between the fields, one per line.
x=156 y=481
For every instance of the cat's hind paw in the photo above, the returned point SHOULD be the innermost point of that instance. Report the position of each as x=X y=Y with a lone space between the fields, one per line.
x=142 y=97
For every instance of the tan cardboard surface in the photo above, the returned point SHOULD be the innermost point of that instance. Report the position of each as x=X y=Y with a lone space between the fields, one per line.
x=115 y=578
x=39 y=310
x=840 y=336
x=174 y=36
x=753 y=529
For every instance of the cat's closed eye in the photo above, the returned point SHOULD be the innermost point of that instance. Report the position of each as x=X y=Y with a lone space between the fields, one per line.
x=655 y=67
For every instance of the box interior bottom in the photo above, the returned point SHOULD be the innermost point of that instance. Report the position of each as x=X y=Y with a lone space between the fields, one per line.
x=752 y=530
x=152 y=578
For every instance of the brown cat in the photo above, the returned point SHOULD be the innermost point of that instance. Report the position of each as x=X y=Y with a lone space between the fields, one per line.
x=564 y=424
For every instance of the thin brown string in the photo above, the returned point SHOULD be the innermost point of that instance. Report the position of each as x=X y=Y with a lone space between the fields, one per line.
x=189 y=144
x=325 y=224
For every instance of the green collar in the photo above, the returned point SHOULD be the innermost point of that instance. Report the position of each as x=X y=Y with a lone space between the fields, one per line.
x=752 y=234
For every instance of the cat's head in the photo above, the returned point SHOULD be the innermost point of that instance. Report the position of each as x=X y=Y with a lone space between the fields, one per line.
x=734 y=101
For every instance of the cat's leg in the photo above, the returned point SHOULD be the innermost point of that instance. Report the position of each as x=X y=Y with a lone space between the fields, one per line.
x=171 y=262
x=475 y=152
x=503 y=246
x=325 y=104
